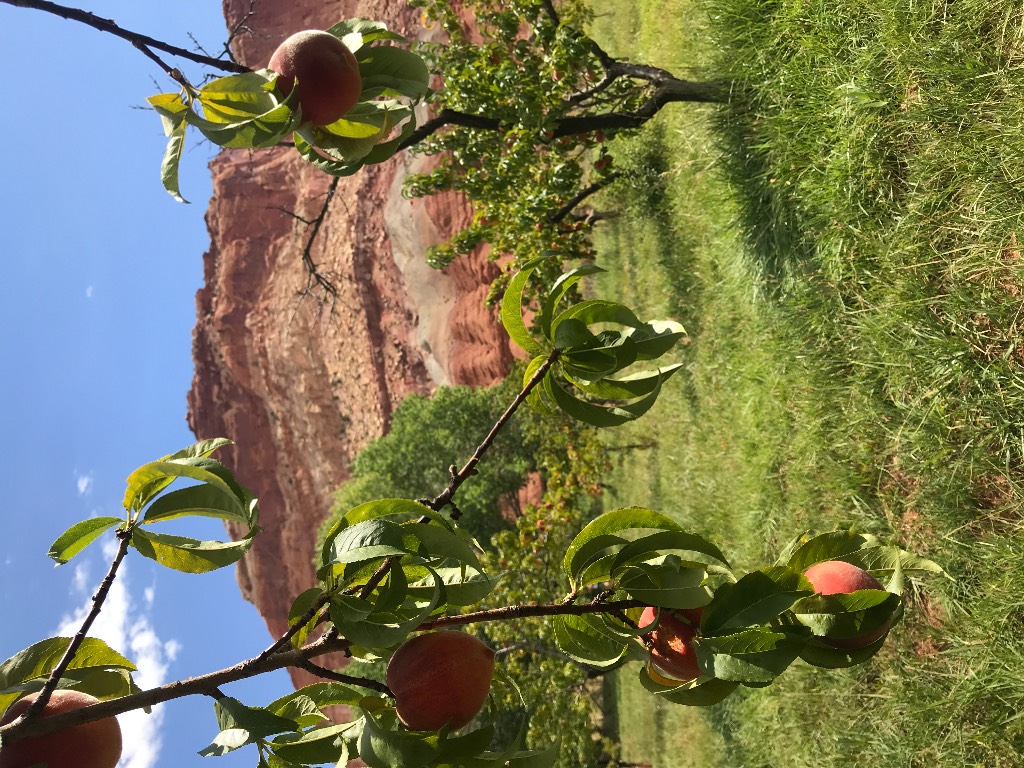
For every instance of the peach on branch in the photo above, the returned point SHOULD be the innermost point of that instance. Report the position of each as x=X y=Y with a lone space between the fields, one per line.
x=672 y=642
x=327 y=71
x=96 y=744
x=440 y=678
x=837 y=577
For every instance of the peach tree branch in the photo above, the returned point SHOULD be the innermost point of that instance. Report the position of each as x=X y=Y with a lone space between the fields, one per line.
x=209 y=684
x=143 y=42
x=58 y=671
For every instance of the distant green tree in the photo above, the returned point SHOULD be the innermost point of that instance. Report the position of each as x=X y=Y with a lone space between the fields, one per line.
x=427 y=435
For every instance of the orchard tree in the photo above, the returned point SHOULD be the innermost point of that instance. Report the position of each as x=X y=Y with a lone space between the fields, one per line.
x=522 y=121
x=401 y=583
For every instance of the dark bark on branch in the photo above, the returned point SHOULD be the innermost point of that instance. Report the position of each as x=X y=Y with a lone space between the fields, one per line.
x=667 y=92
x=140 y=41
x=445 y=118
x=582 y=195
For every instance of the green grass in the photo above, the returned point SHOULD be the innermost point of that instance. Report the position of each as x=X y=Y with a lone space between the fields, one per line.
x=841 y=243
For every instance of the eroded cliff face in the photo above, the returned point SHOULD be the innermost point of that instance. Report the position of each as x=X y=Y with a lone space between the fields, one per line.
x=300 y=379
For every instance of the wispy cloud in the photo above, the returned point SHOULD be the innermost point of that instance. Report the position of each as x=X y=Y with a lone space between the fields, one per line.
x=89 y=291
x=125 y=626
x=83 y=482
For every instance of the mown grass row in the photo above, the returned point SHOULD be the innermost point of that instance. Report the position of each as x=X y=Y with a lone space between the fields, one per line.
x=841 y=241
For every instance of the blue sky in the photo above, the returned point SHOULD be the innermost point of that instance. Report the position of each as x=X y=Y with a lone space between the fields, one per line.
x=97 y=304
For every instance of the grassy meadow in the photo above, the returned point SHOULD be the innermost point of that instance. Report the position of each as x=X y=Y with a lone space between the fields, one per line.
x=843 y=243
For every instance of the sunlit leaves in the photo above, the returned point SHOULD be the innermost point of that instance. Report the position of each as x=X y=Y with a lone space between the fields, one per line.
x=217 y=494
x=390 y=564
x=79 y=536
x=96 y=669
x=246 y=111
x=590 y=344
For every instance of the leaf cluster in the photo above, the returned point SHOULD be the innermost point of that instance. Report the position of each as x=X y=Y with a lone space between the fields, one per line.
x=590 y=343
x=247 y=111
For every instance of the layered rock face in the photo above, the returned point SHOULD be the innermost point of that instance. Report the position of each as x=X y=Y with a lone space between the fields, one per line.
x=299 y=378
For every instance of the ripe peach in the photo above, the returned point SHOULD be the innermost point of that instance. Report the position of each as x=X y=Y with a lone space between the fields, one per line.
x=836 y=577
x=90 y=745
x=440 y=678
x=328 y=73
x=672 y=648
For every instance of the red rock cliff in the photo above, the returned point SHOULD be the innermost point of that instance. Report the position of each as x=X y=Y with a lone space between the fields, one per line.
x=298 y=379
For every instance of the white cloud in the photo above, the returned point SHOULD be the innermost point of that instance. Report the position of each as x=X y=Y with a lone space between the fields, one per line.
x=89 y=291
x=84 y=483
x=80 y=581
x=125 y=626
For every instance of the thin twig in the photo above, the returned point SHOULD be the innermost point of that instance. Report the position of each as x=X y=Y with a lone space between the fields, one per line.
x=508 y=612
x=313 y=271
x=135 y=38
x=69 y=654
x=340 y=677
x=582 y=195
x=469 y=469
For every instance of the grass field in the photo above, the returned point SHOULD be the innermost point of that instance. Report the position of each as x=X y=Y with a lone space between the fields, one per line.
x=841 y=241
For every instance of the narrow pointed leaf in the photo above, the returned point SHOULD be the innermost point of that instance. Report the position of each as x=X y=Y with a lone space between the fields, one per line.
x=79 y=536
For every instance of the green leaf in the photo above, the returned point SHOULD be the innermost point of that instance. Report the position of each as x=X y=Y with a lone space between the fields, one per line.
x=702 y=692
x=590 y=640
x=198 y=450
x=315 y=746
x=690 y=547
x=328 y=165
x=149 y=479
x=197 y=500
x=79 y=536
x=172 y=113
x=39 y=659
x=597 y=311
x=512 y=310
x=666 y=585
x=559 y=289
x=628 y=387
x=655 y=337
x=357 y=32
x=439 y=542
x=189 y=555
x=600 y=415
x=391 y=71
x=235 y=98
x=300 y=605
x=599 y=534
x=757 y=598
x=754 y=655
x=383 y=629
x=304 y=704
x=367 y=540
x=240 y=725
x=462 y=586
x=380 y=747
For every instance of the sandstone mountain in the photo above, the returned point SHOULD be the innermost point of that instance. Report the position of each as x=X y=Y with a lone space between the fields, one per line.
x=301 y=379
